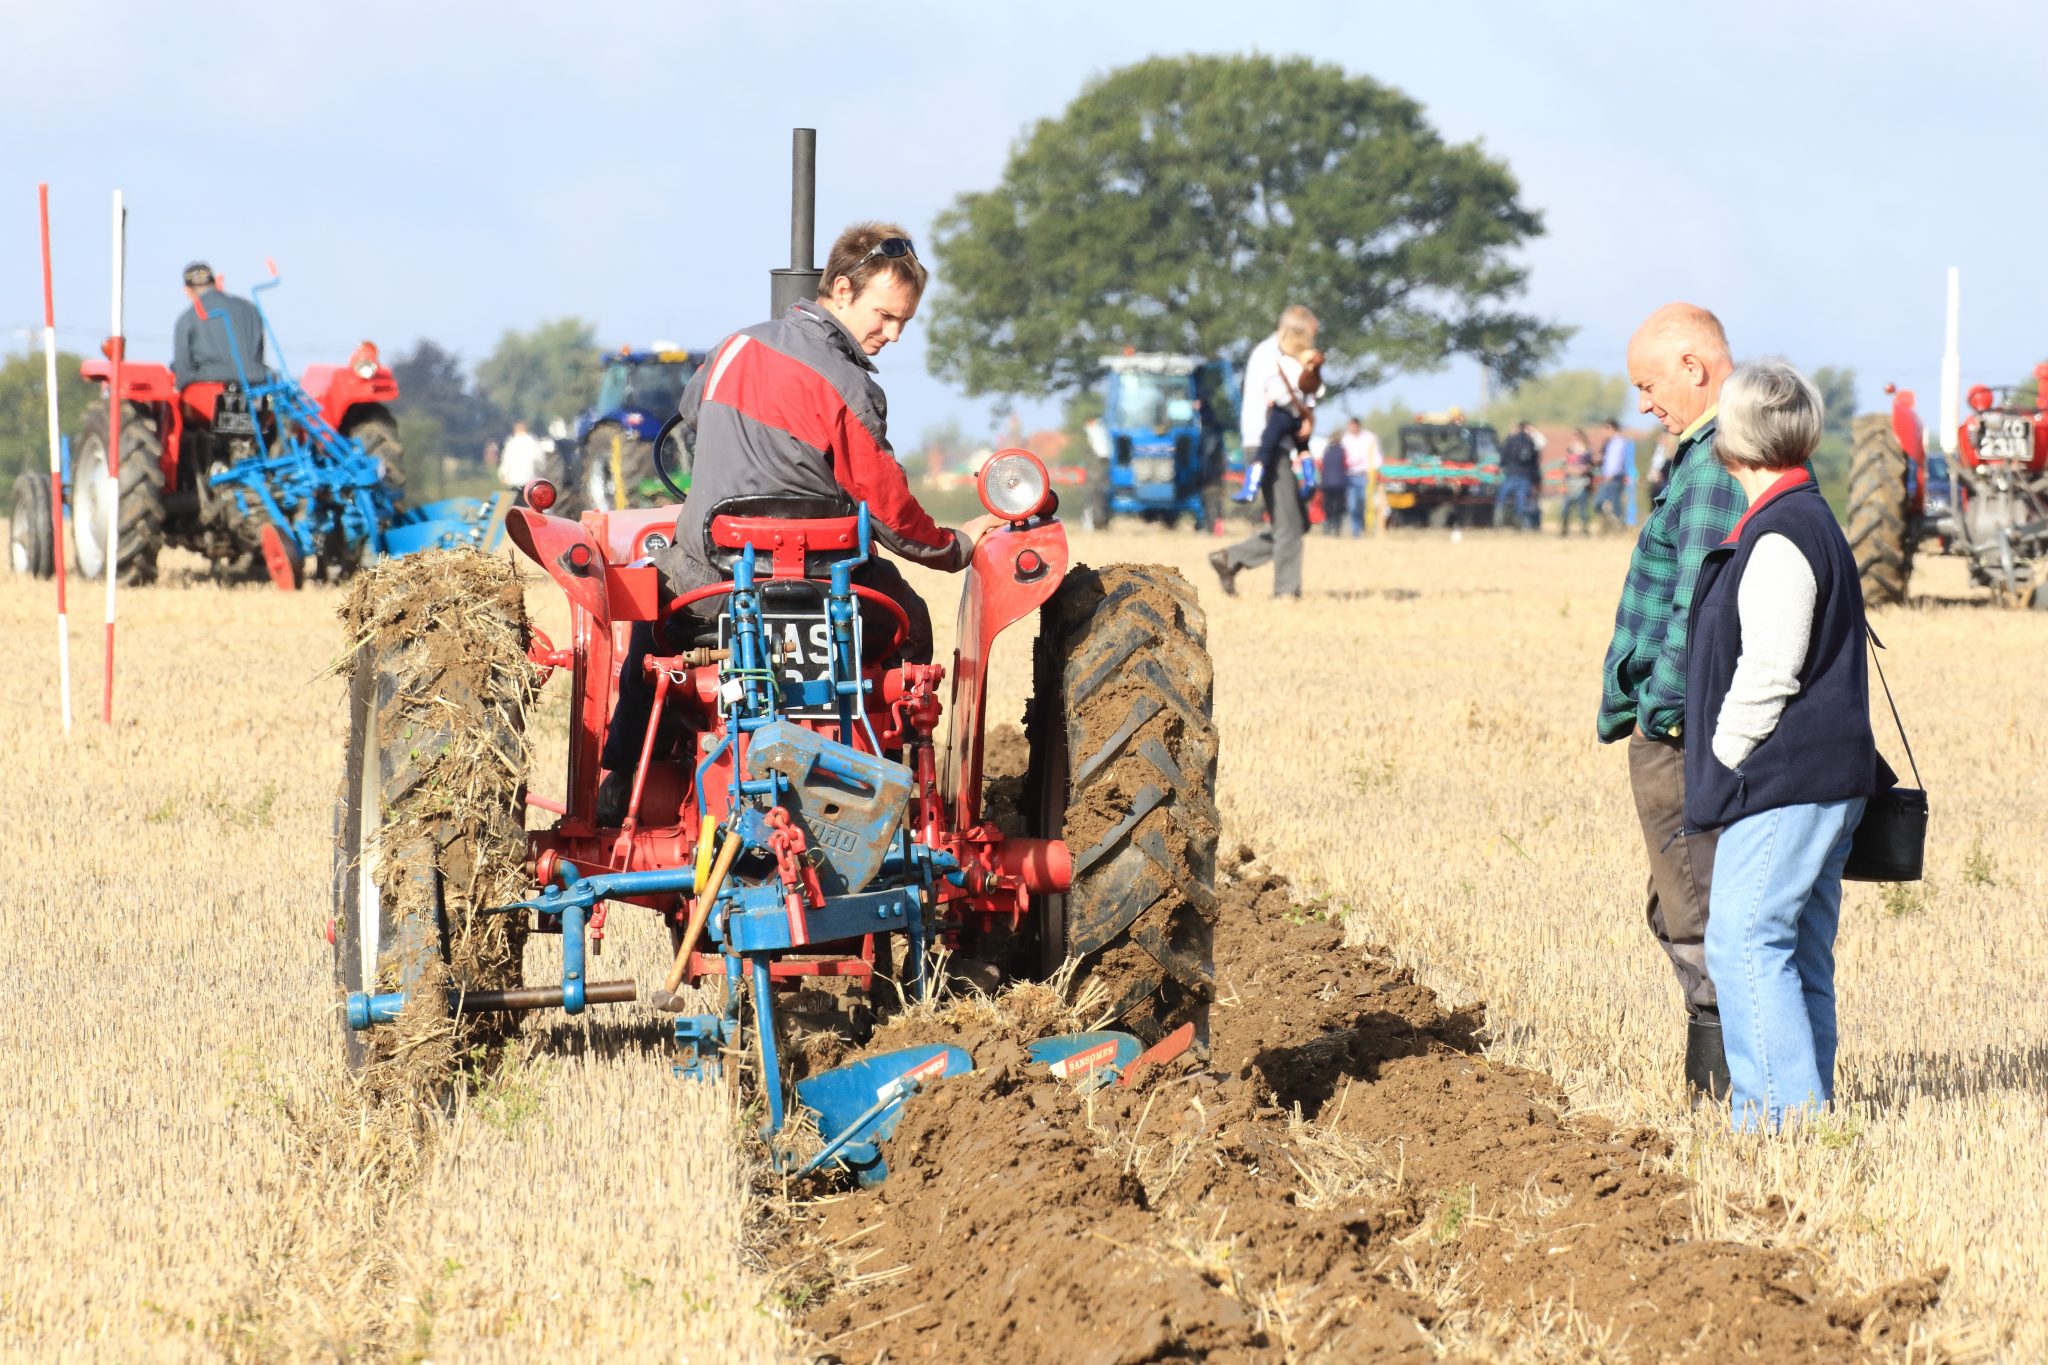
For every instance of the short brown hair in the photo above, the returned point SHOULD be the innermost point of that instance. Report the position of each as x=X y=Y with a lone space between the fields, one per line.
x=849 y=257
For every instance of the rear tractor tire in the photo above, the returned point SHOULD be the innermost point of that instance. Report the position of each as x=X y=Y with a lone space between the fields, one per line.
x=31 y=538
x=377 y=434
x=140 y=496
x=1877 y=511
x=618 y=466
x=429 y=823
x=1123 y=767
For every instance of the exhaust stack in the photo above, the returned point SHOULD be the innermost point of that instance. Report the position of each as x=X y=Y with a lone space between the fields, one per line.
x=799 y=281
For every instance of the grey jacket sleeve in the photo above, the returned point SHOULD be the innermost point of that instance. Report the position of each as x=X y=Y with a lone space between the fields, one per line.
x=182 y=338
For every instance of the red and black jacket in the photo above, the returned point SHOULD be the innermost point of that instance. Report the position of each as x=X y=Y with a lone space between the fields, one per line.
x=791 y=408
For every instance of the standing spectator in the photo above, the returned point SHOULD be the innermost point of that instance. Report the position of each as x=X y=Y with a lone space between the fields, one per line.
x=1781 y=762
x=519 y=458
x=1361 y=470
x=1282 y=380
x=1579 y=477
x=1660 y=467
x=1334 y=480
x=1617 y=465
x=1212 y=408
x=1677 y=360
x=1521 y=467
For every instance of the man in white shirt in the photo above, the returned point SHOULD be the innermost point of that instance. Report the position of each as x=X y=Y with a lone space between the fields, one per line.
x=1361 y=461
x=519 y=461
x=1282 y=381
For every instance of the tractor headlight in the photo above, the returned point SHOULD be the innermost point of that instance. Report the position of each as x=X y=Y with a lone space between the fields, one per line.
x=364 y=360
x=1013 y=485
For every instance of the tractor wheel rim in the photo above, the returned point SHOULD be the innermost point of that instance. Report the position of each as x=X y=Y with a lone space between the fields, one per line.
x=88 y=508
x=18 y=550
x=370 y=823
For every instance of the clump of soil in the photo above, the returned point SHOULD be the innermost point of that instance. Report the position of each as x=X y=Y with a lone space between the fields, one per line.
x=1346 y=1178
x=439 y=640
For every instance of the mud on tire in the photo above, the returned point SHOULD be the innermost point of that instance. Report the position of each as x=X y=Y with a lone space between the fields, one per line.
x=1877 y=511
x=377 y=433
x=429 y=825
x=1123 y=767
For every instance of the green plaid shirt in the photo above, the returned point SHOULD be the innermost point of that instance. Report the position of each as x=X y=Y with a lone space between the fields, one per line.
x=1643 y=681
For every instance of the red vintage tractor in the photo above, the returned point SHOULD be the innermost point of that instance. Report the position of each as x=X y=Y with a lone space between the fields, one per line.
x=1989 y=505
x=801 y=801
x=178 y=445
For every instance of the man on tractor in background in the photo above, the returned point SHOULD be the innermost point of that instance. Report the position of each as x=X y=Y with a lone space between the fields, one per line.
x=790 y=408
x=1677 y=361
x=199 y=347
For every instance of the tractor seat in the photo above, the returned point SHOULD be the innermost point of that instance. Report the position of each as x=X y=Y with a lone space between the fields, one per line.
x=792 y=536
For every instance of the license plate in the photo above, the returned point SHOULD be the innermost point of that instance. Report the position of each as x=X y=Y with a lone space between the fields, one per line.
x=806 y=640
x=2010 y=440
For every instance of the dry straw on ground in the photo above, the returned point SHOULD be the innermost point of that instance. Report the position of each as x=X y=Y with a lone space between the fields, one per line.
x=186 y=1173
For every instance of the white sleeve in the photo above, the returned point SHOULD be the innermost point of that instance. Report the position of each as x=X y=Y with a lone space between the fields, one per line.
x=1774 y=603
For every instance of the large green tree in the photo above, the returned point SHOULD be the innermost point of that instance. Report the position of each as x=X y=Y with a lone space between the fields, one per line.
x=1181 y=203
x=551 y=371
x=436 y=401
x=24 y=412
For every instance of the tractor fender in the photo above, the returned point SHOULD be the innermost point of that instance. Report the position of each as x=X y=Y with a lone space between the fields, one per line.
x=1906 y=426
x=552 y=543
x=141 y=382
x=1014 y=571
x=337 y=388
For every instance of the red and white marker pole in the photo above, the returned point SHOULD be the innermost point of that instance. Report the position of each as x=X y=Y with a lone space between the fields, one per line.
x=118 y=347
x=56 y=463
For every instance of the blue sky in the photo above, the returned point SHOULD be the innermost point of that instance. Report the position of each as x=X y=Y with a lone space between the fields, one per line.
x=451 y=169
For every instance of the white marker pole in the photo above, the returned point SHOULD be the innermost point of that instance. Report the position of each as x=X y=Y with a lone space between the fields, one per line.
x=56 y=463
x=113 y=568
x=1952 y=366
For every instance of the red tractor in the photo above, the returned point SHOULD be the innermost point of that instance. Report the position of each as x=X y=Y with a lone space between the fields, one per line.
x=1990 y=505
x=800 y=801
x=177 y=446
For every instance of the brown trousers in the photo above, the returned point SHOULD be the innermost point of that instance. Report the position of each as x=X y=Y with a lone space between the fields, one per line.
x=1681 y=867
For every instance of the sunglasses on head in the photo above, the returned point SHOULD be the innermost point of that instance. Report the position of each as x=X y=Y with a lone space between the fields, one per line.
x=894 y=248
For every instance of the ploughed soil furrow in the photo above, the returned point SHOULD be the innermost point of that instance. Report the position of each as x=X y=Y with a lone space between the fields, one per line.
x=1344 y=1178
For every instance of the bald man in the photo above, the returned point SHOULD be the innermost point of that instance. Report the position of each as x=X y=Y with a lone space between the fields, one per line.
x=1677 y=361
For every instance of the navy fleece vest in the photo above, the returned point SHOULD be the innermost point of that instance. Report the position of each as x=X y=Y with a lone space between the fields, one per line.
x=1822 y=749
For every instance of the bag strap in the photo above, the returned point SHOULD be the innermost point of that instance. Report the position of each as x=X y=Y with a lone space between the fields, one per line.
x=1875 y=645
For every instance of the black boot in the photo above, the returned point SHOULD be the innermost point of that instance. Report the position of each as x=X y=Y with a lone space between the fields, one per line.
x=1706 y=1060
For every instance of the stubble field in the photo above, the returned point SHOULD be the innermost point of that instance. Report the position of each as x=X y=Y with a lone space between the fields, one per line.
x=186 y=1174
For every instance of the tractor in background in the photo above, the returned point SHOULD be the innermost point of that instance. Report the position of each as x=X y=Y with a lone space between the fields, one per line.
x=1160 y=448
x=615 y=439
x=1987 y=501
x=1442 y=473
x=260 y=476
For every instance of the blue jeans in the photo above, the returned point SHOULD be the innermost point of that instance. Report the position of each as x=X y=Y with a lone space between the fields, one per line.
x=1776 y=902
x=1354 y=502
x=1612 y=491
x=1514 y=492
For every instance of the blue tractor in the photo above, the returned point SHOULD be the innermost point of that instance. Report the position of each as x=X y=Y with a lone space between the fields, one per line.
x=1163 y=447
x=615 y=438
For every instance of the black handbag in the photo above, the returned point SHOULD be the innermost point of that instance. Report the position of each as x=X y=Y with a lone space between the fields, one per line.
x=1890 y=844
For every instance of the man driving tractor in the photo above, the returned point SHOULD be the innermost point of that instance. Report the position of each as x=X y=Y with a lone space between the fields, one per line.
x=790 y=409
x=200 y=351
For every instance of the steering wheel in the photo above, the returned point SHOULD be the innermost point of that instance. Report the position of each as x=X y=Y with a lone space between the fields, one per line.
x=660 y=461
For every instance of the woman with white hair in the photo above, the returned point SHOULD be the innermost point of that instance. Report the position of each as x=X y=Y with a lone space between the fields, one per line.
x=1779 y=755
